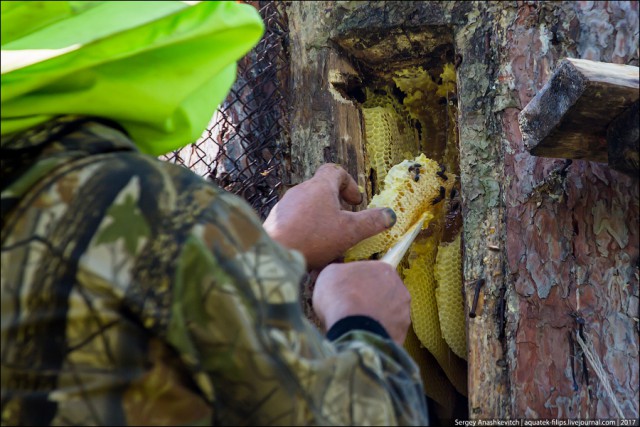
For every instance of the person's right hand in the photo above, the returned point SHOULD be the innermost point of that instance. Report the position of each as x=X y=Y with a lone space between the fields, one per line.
x=369 y=288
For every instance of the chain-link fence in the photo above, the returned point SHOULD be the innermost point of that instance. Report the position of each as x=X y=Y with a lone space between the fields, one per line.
x=245 y=148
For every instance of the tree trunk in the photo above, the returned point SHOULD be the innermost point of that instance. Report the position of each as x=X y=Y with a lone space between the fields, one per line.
x=555 y=241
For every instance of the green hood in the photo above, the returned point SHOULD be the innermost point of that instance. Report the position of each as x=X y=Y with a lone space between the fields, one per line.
x=158 y=68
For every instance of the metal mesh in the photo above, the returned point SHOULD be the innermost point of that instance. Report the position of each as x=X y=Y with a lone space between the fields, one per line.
x=245 y=149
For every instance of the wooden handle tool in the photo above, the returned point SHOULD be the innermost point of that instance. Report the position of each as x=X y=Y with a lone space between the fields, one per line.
x=397 y=251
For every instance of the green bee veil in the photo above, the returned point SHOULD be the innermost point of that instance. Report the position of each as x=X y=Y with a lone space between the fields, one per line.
x=158 y=68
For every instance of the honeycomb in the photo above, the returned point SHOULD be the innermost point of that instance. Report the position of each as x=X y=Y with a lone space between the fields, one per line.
x=448 y=84
x=423 y=103
x=410 y=189
x=417 y=84
x=389 y=135
x=419 y=277
x=448 y=295
x=381 y=125
x=382 y=98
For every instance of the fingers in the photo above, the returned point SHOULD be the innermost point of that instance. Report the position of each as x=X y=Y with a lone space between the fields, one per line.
x=368 y=288
x=368 y=223
x=341 y=181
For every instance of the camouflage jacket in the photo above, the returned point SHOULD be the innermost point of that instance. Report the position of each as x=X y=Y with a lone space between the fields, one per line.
x=135 y=292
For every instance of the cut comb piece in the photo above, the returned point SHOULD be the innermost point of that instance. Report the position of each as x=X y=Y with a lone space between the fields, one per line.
x=395 y=253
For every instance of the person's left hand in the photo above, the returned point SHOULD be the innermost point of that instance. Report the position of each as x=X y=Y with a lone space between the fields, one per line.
x=309 y=217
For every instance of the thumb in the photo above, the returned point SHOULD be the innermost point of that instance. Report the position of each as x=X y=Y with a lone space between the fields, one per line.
x=369 y=222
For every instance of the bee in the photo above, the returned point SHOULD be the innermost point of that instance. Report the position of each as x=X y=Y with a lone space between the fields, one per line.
x=439 y=197
x=415 y=169
x=441 y=173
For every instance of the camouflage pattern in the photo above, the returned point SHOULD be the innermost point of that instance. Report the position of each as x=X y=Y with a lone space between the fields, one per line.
x=134 y=292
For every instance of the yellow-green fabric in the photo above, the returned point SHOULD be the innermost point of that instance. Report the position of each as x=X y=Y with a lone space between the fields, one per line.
x=158 y=68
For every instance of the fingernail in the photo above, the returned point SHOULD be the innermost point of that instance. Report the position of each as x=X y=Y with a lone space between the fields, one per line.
x=391 y=217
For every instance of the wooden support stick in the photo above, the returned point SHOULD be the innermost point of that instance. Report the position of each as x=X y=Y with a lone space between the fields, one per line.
x=570 y=116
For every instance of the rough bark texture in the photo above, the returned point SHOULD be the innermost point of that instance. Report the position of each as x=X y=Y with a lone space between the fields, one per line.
x=556 y=242
x=571 y=232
